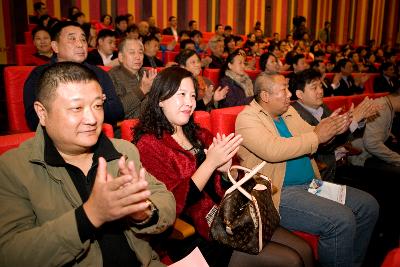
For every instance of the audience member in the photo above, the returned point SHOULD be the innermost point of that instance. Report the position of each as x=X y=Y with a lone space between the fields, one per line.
x=143 y=29
x=192 y=163
x=347 y=84
x=153 y=29
x=172 y=28
x=151 y=46
x=386 y=82
x=287 y=144
x=309 y=104
x=72 y=11
x=71 y=196
x=197 y=36
x=69 y=44
x=216 y=45
x=121 y=25
x=132 y=82
x=269 y=63
x=187 y=44
x=132 y=32
x=40 y=9
x=105 y=23
x=236 y=79
x=324 y=35
x=130 y=18
x=299 y=64
x=325 y=82
x=228 y=31
x=42 y=41
x=219 y=30
x=193 y=25
x=207 y=97
x=105 y=54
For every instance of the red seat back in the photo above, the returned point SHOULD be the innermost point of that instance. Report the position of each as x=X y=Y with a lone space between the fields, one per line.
x=335 y=102
x=312 y=240
x=392 y=259
x=24 y=55
x=28 y=38
x=223 y=120
x=14 y=80
x=13 y=140
x=212 y=74
x=170 y=56
x=253 y=73
x=127 y=129
x=108 y=130
x=202 y=118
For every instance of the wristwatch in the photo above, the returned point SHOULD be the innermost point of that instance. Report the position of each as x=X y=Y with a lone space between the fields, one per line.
x=153 y=211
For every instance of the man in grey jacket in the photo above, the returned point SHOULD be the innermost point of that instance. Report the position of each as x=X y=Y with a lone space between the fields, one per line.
x=70 y=196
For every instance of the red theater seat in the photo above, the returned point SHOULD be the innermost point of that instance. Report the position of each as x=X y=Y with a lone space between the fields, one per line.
x=335 y=102
x=126 y=129
x=312 y=240
x=212 y=74
x=28 y=38
x=13 y=140
x=24 y=55
x=108 y=130
x=202 y=118
x=170 y=56
x=223 y=120
x=253 y=73
x=14 y=79
x=392 y=259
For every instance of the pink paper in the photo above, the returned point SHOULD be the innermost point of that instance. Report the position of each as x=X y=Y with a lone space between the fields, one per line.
x=194 y=259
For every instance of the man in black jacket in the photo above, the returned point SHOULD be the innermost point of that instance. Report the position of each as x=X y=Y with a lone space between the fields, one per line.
x=386 y=82
x=105 y=54
x=69 y=44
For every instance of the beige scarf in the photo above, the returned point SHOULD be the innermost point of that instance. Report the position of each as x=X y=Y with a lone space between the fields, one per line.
x=243 y=80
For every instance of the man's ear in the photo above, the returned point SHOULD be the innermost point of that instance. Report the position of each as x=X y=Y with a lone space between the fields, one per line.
x=264 y=95
x=41 y=112
x=54 y=46
x=299 y=94
x=120 y=58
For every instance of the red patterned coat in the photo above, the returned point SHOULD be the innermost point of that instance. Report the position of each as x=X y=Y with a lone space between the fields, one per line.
x=166 y=160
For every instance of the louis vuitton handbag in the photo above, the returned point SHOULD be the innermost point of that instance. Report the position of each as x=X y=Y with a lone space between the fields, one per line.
x=246 y=217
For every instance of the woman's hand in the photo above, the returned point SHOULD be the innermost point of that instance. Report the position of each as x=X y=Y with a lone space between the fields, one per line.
x=220 y=93
x=220 y=153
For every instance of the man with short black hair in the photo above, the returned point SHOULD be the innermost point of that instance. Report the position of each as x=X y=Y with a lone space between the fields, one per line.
x=105 y=54
x=121 y=25
x=219 y=30
x=40 y=9
x=69 y=44
x=172 y=29
x=151 y=47
x=70 y=196
x=192 y=25
x=386 y=82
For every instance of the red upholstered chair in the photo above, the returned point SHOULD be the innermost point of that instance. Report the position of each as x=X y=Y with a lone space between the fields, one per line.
x=108 y=130
x=28 y=38
x=202 y=118
x=356 y=99
x=212 y=74
x=126 y=129
x=170 y=56
x=24 y=55
x=253 y=73
x=369 y=84
x=13 y=140
x=223 y=121
x=392 y=259
x=377 y=95
x=14 y=79
x=167 y=38
x=335 y=102
x=105 y=68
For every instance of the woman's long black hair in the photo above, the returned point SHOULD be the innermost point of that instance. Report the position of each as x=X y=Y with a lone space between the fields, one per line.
x=152 y=119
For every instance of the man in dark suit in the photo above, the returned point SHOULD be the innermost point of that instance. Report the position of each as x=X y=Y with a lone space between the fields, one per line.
x=172 y=29
x=310 y=106
x=299 y=64
x=151 y=46
x=326 y=83
x=386 y=82
x=105 y=54
x=40 y=10
x=348 y=85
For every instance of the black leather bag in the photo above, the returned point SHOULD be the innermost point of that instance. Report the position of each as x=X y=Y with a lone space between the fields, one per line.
x=246 y=218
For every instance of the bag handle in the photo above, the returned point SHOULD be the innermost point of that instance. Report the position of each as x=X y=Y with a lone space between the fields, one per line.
x=237 y=185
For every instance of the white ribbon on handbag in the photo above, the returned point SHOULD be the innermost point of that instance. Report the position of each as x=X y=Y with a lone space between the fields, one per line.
x=237 y=185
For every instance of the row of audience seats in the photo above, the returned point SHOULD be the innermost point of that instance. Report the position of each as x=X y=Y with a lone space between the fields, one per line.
x=217 y=121
x=15 y=76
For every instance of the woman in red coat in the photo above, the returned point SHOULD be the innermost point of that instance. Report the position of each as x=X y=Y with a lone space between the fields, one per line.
x=192 y=164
